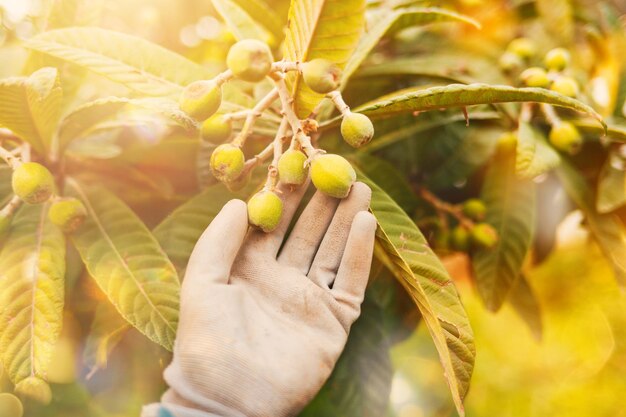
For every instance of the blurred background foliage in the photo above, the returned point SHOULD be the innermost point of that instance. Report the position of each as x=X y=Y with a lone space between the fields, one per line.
x=560 y=350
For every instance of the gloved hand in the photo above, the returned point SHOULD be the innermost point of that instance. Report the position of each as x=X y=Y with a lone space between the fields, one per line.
x=263 y=323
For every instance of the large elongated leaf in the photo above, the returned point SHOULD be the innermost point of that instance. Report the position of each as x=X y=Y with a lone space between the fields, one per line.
x=32 y=270
x=461 y=95
x=128 y=264
x=327 y=29
x=607 y=229
x=612 y=185
x=240 y=22
x=402 y=248
x=511 y=210
x=534 y=155
x=179 y=232
x=265 y=15
x=526 y=304
x=140 y=65
x=394 y=21
x=82 y=119
x=31 y=106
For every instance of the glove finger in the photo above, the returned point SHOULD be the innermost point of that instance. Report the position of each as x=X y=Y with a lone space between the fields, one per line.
x=270 y=243
x=215 y=251
x=303 y=241
x=328 y=257
x=353 y=273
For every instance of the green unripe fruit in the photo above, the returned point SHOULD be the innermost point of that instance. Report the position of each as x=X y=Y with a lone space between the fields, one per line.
x=566 y=86
x=250 y=60
x=321 y=75
x=332 y=175
x=535 y=77
x=507 y=142
x=201 y=99
x=460 y=239
x=216 y=129
x=566 y=137
x=68 y=214
x=10 y=405
x=227 y=162
x=291 y=167
x=557 y=59
x=475 y=209
x=522 y=47
x=510 y=61
x=483 y=236
x=265 y=209
x=442 y=241
x=357 y=129
x=32 y=182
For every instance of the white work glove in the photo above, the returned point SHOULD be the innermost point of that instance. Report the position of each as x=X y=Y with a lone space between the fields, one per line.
x=263 y=323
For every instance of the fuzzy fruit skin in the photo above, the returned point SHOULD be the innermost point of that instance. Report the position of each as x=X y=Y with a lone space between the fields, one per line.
x=483 y=236
x=32 y=182
x=558 y=59
x=522 y=47
x=265 y=209
x=10 y=405
x=566 y=137
x=250 y=60
x=321 y=75
x=216 y=129
x=460 y=239
x=357 y=129
x=332 y=175
x=68 y=214
x=291 y=167
x=510 y=61
x=566 y=86
x=535 y=77
x=227 y=162
x=201 y=99
x=475 y=209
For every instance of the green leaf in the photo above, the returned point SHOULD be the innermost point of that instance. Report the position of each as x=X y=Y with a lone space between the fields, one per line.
x=80 y=121
x=265 y=15
x=511 y=211
x=393 y=22
x=526 y=304
x=607 y=229
x=402 y=248
x=179 y=232
x=615 y=132
x=128 y=264
x=138 y=64
x=612 y=185
x=327 y=29
x=31 y=107
x=240 y=23
x=385 y=175
x=107 y=330
x=534 y=155
x=32 y=262
x=459 y=95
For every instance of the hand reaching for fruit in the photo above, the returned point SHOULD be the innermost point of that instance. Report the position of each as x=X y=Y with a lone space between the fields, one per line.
x=263 y=321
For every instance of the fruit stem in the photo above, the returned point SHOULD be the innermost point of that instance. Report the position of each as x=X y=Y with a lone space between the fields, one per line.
x=551 y=116
x=441 y=206
x=253 y=115
x=277 y=147
x=338 y=101
x=11 y=206
x=11 y=160
x=285 y=66
x=526 y=114
x=223 y=77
